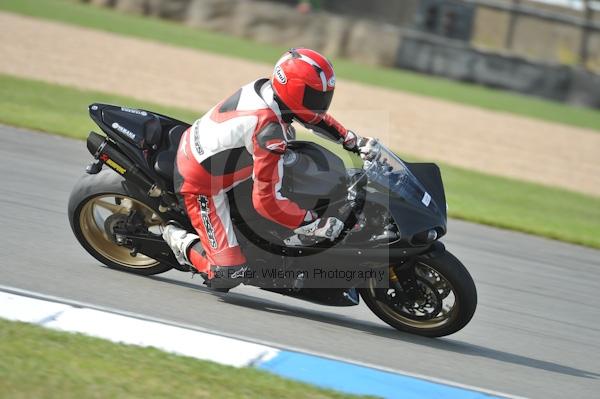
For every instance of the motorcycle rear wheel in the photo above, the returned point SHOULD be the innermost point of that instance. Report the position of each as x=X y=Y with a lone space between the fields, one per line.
x=449 y=279
x=93 y=201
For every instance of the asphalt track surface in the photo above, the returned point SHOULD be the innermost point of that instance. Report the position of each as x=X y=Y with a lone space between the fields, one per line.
x=536 y=332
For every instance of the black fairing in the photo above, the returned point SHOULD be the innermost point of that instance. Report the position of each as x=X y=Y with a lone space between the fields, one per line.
x=411 y=219
x=314 y=177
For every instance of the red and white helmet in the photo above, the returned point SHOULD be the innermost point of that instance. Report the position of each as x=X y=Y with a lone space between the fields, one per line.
x=304 y=81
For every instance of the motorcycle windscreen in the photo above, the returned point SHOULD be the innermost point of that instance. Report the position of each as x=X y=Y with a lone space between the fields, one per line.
x=417 y=205
x=391 y=173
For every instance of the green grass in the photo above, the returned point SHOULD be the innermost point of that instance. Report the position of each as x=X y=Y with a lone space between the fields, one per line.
x=176 y=34
x=42 y=363
x=58 y=109
x=473 y=196
x=522 y=206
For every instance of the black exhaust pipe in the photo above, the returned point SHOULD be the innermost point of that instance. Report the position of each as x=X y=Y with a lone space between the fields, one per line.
x=105 y=152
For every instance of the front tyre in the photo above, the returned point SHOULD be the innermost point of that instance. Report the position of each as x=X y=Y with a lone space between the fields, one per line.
x=443 y=301
x=96 y=203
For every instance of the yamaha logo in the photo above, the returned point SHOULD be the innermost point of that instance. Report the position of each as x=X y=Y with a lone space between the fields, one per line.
x=123 y=130
x=134 y=111
x=280 y=75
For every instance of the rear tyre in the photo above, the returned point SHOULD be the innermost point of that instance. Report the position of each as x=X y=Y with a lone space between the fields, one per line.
x=448 y=304
x=95 y=203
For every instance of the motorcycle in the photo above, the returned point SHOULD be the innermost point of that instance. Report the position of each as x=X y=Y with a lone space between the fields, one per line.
x=394 y=214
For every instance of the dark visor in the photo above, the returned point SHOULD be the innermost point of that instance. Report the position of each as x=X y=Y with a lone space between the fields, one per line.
x=317 y=100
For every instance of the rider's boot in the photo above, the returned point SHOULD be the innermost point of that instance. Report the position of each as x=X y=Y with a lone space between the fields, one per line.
x=180 y=240
x=220 y=278
x=223 y=278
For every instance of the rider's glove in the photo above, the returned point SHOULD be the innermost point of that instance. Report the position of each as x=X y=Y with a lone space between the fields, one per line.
x=326 y=228
x=368 y=148
x=350 y=141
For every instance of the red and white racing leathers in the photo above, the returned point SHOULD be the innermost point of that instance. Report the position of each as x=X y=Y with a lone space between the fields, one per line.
x=242 y=137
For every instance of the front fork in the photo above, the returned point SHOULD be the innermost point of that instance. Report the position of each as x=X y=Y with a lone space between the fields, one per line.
x=404 y=280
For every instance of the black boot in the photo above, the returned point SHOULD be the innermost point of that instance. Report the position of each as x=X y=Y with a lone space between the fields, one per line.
x=227 y=277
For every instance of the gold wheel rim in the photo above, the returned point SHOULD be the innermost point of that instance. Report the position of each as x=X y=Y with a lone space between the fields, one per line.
x=91 y=221
x=445 y=316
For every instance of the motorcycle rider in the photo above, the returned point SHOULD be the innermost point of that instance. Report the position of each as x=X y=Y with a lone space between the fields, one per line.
x=245 y=136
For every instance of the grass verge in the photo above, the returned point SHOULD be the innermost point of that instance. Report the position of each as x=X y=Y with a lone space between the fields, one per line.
x=42 y=363
x=58 y=109
x=472 y=196
x=176 y=34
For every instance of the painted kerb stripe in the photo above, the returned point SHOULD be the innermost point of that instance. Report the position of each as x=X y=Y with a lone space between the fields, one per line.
x=65 y=315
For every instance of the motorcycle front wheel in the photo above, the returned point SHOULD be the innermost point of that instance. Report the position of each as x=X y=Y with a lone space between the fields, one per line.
x=443 y=298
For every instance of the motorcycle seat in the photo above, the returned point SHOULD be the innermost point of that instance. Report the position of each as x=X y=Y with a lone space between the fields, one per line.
x=164 y=164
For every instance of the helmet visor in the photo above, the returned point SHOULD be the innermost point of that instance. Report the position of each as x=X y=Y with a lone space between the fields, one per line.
x=317 y=100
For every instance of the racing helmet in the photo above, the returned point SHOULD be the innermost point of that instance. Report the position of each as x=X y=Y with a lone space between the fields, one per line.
x=304 y=81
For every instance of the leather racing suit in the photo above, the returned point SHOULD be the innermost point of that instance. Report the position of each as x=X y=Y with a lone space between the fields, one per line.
x=242 y=137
